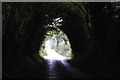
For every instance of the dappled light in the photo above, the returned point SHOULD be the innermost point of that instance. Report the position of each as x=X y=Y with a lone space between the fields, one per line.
x=56 y=47
x=56 y=44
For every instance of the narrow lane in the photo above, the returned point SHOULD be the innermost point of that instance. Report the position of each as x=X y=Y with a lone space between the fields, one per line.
x=58 y=69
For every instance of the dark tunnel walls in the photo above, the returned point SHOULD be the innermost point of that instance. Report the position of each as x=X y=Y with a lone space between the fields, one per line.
x=22 y=34
x=92 y=29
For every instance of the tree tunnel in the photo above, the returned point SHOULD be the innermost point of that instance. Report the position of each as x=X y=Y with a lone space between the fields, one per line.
x=84 y=33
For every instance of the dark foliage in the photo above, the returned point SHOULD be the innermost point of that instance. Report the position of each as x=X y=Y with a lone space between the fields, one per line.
x=92 y=29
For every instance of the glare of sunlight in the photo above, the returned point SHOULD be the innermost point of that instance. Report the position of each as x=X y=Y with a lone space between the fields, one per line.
x=51 y=53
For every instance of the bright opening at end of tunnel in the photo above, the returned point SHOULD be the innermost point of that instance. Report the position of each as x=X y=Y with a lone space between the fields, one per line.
x=56 y=45
x=56 y=48
x=51 y=53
